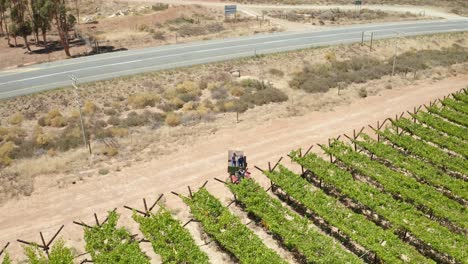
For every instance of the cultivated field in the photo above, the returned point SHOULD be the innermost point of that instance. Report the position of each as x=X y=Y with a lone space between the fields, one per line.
x=396 y=194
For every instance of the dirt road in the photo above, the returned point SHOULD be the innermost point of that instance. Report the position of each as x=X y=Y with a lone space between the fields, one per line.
x=204 y=159
x=418 y=10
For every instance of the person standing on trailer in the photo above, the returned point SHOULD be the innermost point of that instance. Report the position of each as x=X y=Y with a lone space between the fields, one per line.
x=241 y=161
x=233 y=159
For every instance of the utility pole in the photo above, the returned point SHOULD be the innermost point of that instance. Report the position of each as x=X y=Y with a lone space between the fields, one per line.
x=395 y=50
x=78 y=102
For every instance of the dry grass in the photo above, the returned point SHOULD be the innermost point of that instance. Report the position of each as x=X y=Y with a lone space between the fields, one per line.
x=341 y=17
x=456 y=6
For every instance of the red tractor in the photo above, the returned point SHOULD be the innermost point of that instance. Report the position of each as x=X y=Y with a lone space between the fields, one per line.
x=237 y=166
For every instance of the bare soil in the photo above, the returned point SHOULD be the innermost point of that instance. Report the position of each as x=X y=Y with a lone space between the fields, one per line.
x=130 y=26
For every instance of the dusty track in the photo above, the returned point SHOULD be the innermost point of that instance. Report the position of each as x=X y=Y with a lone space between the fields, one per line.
x=204 y=159
x=428 y=11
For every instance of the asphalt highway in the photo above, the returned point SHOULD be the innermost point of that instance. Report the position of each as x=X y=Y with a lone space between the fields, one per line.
x=46 y=76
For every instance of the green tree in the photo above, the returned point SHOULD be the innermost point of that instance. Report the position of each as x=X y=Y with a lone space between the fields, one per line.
x=63 y=21
x=20 y=20
x=4 y=5
x=41 y=17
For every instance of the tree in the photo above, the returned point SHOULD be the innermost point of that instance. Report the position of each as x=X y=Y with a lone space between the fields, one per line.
x=41 y=17
x=4 y=4
x=63 y=22
x=13 y=31
x=24 y=30
x=21 y=22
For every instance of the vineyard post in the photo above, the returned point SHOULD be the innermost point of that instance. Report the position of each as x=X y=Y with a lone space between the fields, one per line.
x=4 y=248
x=354 y=141
x=378 y=135
x=204 y=184
x=308 y=150
x=44 y=243
x=45 y=246
x=190 y=192
x=276 y=164
x=147 y=211
x=331 y=157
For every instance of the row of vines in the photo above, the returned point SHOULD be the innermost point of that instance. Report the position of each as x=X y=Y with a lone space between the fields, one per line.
x=398 y=196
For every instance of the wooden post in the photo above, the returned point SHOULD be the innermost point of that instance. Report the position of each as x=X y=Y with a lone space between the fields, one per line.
x=371 y=40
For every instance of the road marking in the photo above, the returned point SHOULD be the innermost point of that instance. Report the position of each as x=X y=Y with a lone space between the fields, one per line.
x=163 y=49
x=214 y=58
x=198 y=51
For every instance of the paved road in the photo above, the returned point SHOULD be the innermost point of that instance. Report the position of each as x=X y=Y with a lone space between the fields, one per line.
x=48 y=76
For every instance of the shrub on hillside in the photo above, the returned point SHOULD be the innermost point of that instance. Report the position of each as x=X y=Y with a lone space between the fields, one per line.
x=219 y=93
x=173 y=119
x=13 y=134
x=53 y=118
x=265 y=96
x=5 y=153
x=276 y=72
x=133 y=119
x=89 y=108
x=142 y=100
x=16 y=119
x=70 y=138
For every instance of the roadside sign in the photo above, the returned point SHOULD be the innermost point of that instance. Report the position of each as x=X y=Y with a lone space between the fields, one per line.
x=230 y=9
x=358 y=2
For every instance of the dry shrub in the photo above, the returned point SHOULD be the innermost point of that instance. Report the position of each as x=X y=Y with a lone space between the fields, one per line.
x=276 y=72
x=190 y=118
x=219 y=93
x=158 y=35
x=176 y=103
x=114 y=121
x=40 y=138
x=6 y=150
x=134 y=119
x=103 y=171
x=89 y=108
x=237 y=91
x=362 y=92
x=14 y=184
x=70 y=138
x=119 y=131
x=189 y=106
x=13 y=134
x=265 y=96
x=159 y=7
x=110 y=151
x=234 y=105
x=54 y=119
x=16 y=119
x=142 y=100
x=173 y=119
x=110 y=112
x=322 y=77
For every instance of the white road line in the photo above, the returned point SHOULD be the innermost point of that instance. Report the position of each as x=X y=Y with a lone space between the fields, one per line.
x=189 y=62
x=198 y=51
x=116 y=55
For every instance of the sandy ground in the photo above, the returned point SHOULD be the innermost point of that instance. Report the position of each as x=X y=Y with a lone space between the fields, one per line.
x=202 y=160
x=127 y=36
x=427 y=10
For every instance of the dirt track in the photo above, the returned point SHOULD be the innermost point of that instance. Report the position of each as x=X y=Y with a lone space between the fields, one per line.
x=204 y=159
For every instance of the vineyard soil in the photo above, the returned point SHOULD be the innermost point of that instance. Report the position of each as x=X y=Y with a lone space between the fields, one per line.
x=205 y=158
